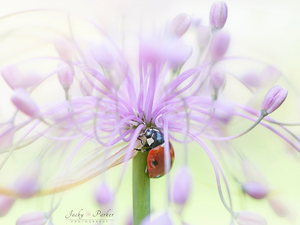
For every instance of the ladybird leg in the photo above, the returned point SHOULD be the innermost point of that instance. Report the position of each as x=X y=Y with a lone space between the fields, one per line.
x=138 y=149
x=141 y=140
x=146 y=170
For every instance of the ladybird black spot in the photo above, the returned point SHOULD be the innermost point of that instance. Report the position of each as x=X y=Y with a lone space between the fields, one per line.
x=154 y=163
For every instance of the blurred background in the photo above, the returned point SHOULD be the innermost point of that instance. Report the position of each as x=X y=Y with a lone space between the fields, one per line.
x=266 y=30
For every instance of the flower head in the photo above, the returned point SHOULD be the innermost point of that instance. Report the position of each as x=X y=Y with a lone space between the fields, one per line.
x=143 y=96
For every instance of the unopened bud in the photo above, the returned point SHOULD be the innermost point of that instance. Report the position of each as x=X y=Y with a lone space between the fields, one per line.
x=218 y=14
x=179 y=25
x=65 y=74
x=249 y=218
x=6 y=203
x=203 y=35
x=178 y=54
x=16 y=79
x=251 y=172
x=182 y=186
x=64 y=48
x=163 y=219
x=103 y=194
x=273 y=99
x=22 y=100
x=280 y=207
x=102 y=55
x=255 y=190
x=27 y=184
x=219 y=45
x=216 y=82
x=33 y=218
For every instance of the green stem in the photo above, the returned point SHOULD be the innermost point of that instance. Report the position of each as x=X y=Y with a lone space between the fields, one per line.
x=140 y=188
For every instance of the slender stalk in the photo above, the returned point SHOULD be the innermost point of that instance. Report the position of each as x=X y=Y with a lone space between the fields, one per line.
x=140 y=188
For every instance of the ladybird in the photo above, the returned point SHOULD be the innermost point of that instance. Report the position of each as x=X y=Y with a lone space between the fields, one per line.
x=154 y=143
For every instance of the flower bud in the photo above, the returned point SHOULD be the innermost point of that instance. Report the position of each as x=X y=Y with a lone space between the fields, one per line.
x=33 y=218
x=251 y=79
x=64 y=48
x=273 y=99
x=153 y=50
x=218 y=15
x=27 y=184
x=255 y=189
x=102 y=55
x=65 y=74
x=182 y=186
x=251 y=172
x=178 y=54
x=16 y=79
x=279 y=206
x=22 y=100
x=216 y=81
x=219 y=45
x=249 y=218
x=163 y=219
x=6 y=203
x=103 y=194
x=179 y=25
x=203 y=36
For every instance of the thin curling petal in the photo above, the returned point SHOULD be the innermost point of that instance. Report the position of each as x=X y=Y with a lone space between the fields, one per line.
x=255 y=189
x=218 y=14
x=274 y=98
x=33 y=218
x=219 y=45
x=22 y=100
x=7 y=139
x=103 y=194
x=182 y=186
x=250 y=218
x=85 y=87
x=6 y=203
x=64 y=48
x=179 y=25
x=27 y=184
x=65 y=74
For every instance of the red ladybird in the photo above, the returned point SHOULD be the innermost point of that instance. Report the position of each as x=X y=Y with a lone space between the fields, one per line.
x=156 y=158
x=156 y=161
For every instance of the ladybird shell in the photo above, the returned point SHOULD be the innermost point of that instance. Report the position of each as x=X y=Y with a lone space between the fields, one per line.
x=156 y=161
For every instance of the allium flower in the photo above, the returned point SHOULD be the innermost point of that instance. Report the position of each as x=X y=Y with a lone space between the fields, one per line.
x=105 y=95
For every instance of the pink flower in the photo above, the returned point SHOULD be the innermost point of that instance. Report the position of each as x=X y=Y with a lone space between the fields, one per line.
x=179 y=25
x=219 y=45
x=182 y=186
x=274 y=98
x=249 y=218
x=6 y=203
x=255 y=189
x=218 y=14
x=24 y=102
x=33 y=218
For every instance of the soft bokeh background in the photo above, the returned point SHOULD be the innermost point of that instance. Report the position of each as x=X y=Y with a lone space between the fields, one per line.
x=263 y=29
